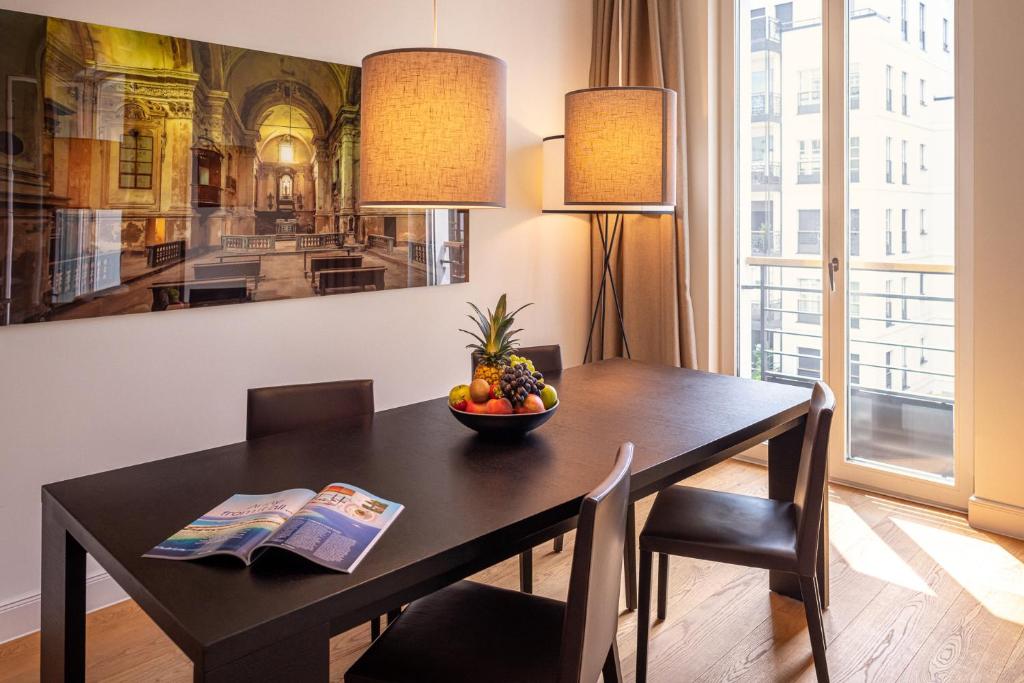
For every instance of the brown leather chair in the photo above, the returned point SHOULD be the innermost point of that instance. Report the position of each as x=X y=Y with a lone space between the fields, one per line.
x=546 y=359
x=272 y=410
x=745 y=530
x=474 y=632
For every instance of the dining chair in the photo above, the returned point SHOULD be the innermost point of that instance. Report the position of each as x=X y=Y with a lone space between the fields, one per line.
x=272 y=410
x=472 y=632
x=745 y=530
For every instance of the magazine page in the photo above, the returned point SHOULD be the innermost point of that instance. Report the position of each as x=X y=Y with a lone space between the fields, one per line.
x=235 y=527
x=338 y=527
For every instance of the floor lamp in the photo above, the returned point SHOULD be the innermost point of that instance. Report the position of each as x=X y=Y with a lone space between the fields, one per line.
x=610 y=216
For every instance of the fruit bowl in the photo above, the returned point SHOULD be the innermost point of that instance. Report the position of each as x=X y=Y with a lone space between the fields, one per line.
x=512 y=425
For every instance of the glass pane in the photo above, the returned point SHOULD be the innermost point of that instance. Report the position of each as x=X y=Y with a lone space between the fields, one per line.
x=779 y=191
x=900 y=232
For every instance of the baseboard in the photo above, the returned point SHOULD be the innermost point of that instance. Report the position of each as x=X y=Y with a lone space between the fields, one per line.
x=992 y=515
x=21 y=617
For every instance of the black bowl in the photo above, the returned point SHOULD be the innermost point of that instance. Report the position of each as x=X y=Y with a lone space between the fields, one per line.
x=503 y=425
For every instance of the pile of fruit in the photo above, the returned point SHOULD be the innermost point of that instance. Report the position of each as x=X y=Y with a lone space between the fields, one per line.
x=503 y=382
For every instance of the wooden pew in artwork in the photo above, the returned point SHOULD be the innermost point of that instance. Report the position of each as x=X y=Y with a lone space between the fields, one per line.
x=229 y=269
x=318 y=263
x=200 y=292
x=340 y=278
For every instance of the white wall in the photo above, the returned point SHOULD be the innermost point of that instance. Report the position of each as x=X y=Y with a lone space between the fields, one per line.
x=86 y=396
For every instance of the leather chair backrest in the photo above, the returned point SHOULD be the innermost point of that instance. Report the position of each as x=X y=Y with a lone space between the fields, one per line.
x=592 y=608
x=546 y=359
x=812 y=477
x=272 y=410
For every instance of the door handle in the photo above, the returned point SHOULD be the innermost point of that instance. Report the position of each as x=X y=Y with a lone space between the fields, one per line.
x=833 y=268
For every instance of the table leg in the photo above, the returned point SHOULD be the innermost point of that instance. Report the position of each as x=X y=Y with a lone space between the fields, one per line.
x=783 y=467
x=526 y=571
x=62 y=614
x=302 y=657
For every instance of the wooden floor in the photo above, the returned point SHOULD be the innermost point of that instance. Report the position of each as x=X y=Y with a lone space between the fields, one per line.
x=917 y=595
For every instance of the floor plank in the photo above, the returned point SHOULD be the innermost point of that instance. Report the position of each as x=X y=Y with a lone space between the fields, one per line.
x=917 y=595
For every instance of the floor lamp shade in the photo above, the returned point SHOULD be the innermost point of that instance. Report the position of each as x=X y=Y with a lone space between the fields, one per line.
x=620 y=146
x=433 y=129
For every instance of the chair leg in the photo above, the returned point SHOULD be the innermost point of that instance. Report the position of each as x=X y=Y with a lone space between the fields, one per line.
x=812 y=606
x=643 y=618
x=662 y=586
x=526 y=571
x=559 y=543
x=629 y=558
x=375 y=628
x=612 y=669
x=393 y=614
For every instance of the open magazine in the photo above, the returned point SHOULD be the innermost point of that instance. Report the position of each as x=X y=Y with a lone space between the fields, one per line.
x=334 y=528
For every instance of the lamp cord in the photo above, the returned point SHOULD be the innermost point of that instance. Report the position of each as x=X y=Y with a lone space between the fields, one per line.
x=435 y=23
x=618 y=6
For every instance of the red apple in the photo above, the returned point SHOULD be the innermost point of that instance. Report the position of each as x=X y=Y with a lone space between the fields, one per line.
x=499 y=406
x=473 y=407
x=461 y=405
x=533 y=404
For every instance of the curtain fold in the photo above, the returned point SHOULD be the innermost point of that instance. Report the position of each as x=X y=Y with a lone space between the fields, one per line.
x=651 y=260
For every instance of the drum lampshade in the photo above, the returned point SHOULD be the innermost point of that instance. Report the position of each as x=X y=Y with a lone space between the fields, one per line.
x=433 y=129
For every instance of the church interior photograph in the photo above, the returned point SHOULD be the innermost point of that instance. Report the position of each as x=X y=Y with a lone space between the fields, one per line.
x=728 y=396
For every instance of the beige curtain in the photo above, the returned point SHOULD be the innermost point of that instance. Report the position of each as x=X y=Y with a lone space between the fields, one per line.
x=651 y=261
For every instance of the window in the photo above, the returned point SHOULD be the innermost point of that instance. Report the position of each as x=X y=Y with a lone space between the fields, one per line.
x=904 y=301
x=904 y=32
x=924 y=358
x=888 y=306
x=809 y=235
x=808 y=303
x=888 y=88
x=854 y=305
x=854 y=160
x=888 y=233
x=888 y=369
x=904 y=95
x=920 y=15
x=924 y=166
x=764 y=241
x=924 y=101
x=904 y=231
x=854 y=86
x=888 y=160
x=904 y=376
x=809 y=96
x=945 y=34
x=904 y=163
x=923 y=224
x=855 y=369
x=809 y=163
x=809 y=362
x=136 y=161
x=854 y=232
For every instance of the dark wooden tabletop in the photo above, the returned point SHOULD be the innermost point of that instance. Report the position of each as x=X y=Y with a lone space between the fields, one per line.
x=466 y=499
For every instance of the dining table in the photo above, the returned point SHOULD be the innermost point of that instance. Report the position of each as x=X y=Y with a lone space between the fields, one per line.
x=469 y=503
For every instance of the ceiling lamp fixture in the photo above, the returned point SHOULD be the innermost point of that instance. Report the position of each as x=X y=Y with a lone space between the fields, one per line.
x=286 y=146
x=433 y=129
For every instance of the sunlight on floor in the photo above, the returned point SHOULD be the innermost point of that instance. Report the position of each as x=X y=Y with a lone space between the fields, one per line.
x=993 y=576
x=865 y=552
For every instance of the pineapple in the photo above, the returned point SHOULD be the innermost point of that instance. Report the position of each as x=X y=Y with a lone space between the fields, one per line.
x=495 y=342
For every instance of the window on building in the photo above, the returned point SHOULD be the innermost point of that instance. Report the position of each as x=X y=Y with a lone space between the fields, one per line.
x=904 y=163
x=854 y=305
x=808 y=303
x=764 y=240
x=888 y=304
x=888 y=160
x=923 y=224
x=809 y=362
x=945 y=34
x=855 y=369
x=888 y=233
x=924 y=101
x=905 y=301
x=809 y=163
x=888 y=369
x=888 y=88
x=854 y=232
x=924 y=357
x=904 y=376
x=854 y=86
x=924 y=166
x=854 y=160
x=904 y=95
x=809 y=235
x=809 y=96
x=136 y=161
x=904 y=231
x=904 y=23
x=921 y=24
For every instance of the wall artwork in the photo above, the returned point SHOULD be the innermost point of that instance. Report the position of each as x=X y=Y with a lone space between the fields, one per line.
x=142 y=172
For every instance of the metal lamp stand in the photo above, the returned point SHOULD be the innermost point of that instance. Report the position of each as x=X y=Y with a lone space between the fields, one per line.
x=608 y=239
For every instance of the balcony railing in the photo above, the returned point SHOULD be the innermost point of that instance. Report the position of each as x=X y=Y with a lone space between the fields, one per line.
x=765 y=174
x=904 y=428
x=765 y=106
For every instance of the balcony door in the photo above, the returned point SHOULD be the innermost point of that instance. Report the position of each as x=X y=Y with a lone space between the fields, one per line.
x=846 y=211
